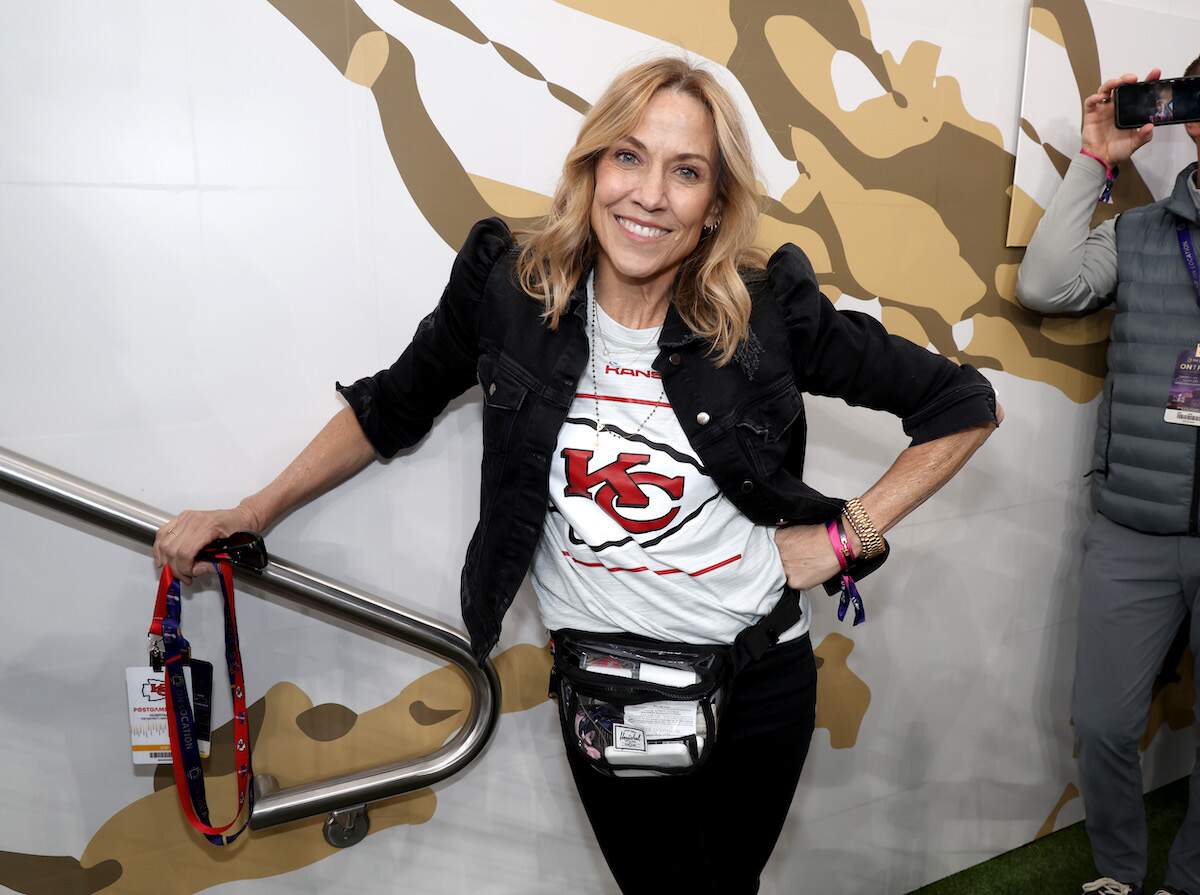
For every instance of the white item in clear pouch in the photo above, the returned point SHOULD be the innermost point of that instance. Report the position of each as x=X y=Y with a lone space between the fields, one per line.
x=665 y=720
x=658 y=755
x=628 y=739
x=666 y=675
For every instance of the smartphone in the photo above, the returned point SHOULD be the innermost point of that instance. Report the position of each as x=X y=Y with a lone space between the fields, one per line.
x=1171 y=101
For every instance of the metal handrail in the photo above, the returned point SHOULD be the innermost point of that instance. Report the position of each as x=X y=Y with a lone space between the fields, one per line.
x=343 y=797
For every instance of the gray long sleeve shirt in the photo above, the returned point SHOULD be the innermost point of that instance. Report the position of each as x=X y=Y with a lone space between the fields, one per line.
x=1068 y=269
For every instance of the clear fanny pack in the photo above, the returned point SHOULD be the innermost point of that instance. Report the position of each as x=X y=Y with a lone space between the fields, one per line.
x=633 y=706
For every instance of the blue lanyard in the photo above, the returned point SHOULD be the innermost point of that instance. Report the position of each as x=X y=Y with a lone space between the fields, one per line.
x=1188 y=250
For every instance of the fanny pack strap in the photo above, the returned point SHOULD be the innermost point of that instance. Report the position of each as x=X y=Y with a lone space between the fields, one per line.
x=750 y=645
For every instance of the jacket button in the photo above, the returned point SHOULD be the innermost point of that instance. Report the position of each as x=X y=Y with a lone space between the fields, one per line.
x=675 y=359
x=492 y=389
x=747 y=486
x=702 y=418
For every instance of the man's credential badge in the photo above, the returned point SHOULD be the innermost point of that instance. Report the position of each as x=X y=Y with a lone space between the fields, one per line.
x=1183 y=404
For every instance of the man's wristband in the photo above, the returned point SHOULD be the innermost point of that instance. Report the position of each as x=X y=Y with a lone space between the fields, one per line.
x=1110 y=174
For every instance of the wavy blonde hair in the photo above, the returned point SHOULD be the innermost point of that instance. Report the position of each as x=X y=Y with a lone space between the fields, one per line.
x=709 y=292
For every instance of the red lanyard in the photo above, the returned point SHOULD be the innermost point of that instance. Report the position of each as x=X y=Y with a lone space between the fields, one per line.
x=185 y=751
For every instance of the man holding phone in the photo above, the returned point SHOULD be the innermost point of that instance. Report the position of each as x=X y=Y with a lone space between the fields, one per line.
x=1141 y=563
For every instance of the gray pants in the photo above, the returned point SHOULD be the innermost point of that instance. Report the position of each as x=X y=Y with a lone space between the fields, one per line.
x=1137 y=589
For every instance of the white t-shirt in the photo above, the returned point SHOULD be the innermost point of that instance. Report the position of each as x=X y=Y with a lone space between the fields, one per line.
x=637 y=536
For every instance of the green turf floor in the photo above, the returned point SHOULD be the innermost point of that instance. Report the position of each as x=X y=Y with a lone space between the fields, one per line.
x=1060 y=863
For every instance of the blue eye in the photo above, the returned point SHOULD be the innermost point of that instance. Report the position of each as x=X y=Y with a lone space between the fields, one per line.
x=689 y=173
x=625 y=157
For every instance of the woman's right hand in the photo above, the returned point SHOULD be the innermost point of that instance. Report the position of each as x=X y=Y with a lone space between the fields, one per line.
x=177 y=543
x=1101 y=136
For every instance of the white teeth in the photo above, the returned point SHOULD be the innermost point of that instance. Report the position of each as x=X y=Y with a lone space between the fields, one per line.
x=639 y=229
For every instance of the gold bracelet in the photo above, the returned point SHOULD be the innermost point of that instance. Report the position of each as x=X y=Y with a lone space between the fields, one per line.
x=868 y=535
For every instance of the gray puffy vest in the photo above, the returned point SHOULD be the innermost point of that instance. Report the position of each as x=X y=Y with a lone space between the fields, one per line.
x=1145 y=469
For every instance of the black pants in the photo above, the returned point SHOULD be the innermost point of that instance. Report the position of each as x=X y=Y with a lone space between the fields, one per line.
x=712 y=831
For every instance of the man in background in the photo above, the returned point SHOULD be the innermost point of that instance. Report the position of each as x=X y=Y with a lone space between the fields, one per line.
x=1141 y=559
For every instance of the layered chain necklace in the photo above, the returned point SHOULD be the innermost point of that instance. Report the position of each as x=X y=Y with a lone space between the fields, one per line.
x=598 y=336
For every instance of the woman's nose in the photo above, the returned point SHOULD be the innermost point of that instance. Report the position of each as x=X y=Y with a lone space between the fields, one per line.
x=651 y=193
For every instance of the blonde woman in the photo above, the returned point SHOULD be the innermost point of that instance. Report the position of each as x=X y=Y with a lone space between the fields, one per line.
x=643 y=449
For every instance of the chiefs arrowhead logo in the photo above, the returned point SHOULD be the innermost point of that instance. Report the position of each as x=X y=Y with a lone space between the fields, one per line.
x=620 y=488
x=644 y=491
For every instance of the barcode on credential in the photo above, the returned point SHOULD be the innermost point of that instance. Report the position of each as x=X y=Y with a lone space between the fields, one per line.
x=160 y=754
x=1185 y=415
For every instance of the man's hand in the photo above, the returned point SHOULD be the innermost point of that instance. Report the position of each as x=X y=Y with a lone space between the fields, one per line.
x=1101 y=136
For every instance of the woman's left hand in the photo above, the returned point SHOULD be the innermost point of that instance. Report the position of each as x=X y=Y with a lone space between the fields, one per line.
x=808 y=557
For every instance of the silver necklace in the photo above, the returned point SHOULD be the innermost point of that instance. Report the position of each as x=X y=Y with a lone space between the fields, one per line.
x=637 y=349
x=598 y=336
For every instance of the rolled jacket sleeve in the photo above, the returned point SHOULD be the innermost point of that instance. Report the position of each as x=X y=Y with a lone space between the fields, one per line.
x=849 y=355
x=397 y=406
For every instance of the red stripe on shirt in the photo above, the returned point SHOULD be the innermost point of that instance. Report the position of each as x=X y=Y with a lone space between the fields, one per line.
x=615 y=569
x=716 y=566
x=622 y=400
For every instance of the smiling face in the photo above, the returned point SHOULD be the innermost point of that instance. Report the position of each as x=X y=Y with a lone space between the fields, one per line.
x=655 y=192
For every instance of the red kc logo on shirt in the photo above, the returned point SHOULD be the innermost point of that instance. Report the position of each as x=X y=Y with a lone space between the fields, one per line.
x=621 y=488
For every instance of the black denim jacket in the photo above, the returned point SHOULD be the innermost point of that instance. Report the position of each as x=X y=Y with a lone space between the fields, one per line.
x=744 y=420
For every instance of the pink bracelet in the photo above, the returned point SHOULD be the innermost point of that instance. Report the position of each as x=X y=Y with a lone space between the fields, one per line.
x=841 y=546
x=845 y=555
x=1110 y=175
